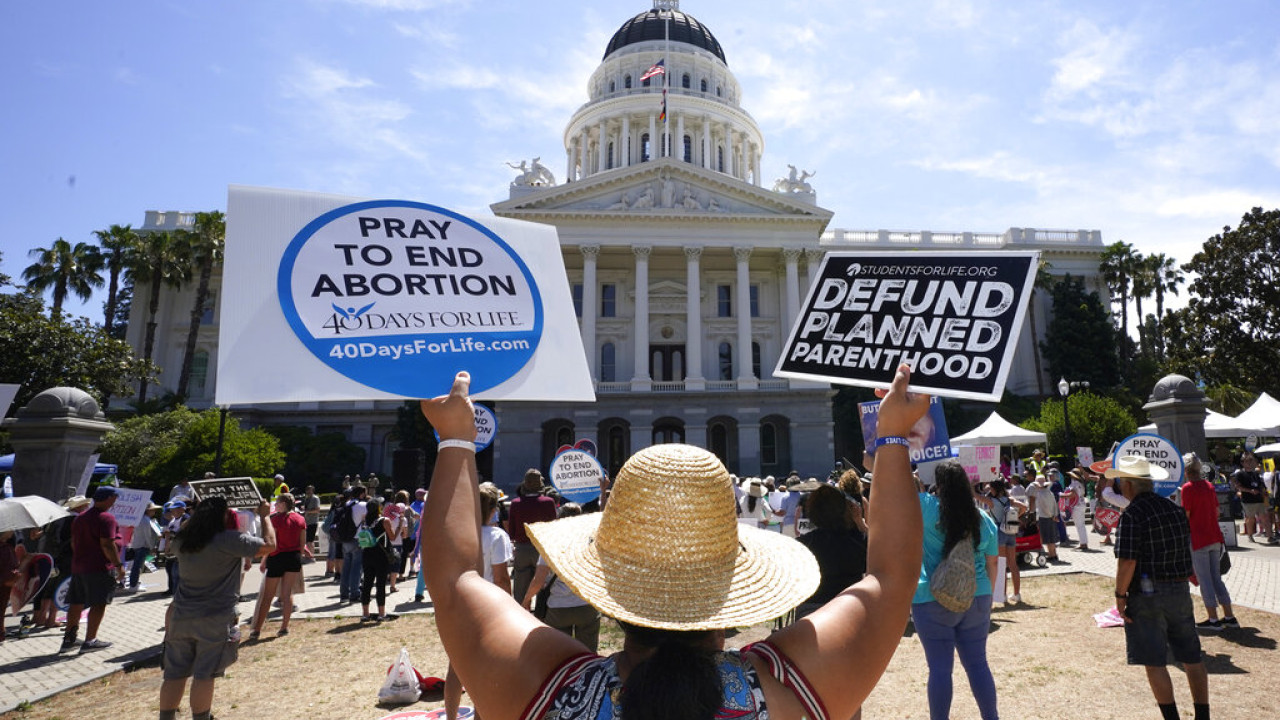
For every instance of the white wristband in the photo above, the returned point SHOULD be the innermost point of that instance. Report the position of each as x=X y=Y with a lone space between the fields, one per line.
x=464 y=444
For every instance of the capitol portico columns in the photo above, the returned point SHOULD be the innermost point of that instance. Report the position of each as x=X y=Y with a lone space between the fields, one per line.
x=640 y=379
x=815 y=258
x=790 y=258
x=589 y=255
x=678 y=150
x=746 y=376
x=693 y=319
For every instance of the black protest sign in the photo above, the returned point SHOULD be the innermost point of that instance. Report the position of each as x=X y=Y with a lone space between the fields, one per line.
x=239 y=492
x=954 y=317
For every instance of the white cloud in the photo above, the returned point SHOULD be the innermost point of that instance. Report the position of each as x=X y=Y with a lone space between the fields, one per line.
x=347 y=111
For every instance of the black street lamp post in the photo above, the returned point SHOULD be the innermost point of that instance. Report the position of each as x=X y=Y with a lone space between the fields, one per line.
x=1064 y=389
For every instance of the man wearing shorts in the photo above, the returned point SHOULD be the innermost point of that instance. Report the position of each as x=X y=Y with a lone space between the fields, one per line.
x=95 y=569
x=1153 y=551
x=1247 y=482
x=1046 y=507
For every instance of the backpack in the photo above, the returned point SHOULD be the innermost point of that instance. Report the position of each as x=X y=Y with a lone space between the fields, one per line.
x=344 y=526
x=365 y=538
x=955 y=580
x=1009 y=523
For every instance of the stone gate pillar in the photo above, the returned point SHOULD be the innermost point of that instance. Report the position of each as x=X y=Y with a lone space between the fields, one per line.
x=53 y=437
x=1177 y=407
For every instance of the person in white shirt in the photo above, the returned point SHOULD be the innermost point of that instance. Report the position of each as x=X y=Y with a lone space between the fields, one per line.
x=1075 y=491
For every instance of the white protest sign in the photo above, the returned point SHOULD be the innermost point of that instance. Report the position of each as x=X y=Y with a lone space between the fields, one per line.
x=981 y=462
x=83 y=486
x=1084 y=456
x=7 y=393
x=954 y=317
x=381 y=299
x=131 y=506
x=1158 y=451
x=577 y=474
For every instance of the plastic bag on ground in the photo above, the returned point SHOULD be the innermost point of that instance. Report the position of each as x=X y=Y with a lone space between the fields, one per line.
x=401 y=686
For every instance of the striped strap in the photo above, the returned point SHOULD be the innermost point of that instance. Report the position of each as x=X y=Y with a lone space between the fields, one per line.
x=785 y=672
x=541 y=701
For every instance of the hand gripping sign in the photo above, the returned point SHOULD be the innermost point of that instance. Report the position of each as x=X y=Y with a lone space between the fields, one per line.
x=954 y=317
x=381 y=299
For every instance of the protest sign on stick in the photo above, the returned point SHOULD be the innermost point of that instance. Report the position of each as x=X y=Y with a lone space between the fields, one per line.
x=240 y=492
x=382 y=299
x=954 y=317
x=131 y=506
x=929 y=439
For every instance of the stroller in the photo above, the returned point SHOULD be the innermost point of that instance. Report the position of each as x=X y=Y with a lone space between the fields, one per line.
x=1027 y=544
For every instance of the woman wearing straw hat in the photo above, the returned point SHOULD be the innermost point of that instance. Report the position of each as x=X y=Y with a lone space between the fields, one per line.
x=668 y=559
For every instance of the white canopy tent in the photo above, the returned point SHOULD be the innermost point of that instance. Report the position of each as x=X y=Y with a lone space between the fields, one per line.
x=998 y=431
x=1217 y=425
x=1264 y=414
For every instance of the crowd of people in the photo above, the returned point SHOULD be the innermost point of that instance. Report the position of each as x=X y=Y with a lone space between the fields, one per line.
x=645 y=554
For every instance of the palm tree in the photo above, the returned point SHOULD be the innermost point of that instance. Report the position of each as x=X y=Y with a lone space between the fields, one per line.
x=1116 y=264
x=161 y=259
x=205 y=244
x=64 y=268
x=118 y=241
x=1142 y=285
x=1168 y=276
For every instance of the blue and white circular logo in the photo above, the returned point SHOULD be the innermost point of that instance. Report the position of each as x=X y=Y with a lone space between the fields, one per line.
x=400 y=296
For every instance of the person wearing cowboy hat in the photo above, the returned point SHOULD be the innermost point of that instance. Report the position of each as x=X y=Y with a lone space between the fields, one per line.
x=1153 y=552
x=668 y=560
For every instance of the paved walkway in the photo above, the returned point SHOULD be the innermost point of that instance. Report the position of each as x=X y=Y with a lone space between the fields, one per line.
x=31 y=668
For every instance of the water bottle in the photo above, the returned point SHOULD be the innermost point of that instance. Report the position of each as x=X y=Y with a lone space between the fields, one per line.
x=1147 y=585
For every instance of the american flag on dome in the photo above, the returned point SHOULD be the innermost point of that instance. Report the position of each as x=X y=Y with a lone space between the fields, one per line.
x=659 y=68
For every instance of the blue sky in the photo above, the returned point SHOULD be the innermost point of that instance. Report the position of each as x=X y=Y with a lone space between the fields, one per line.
x=1154 y=122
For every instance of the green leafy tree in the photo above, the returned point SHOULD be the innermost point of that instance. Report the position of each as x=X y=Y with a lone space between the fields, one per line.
x=204 y=247
x=1080 y=342
x=42 y=351
x=1096 y=422
x=64 y=268
x=155 y=451
x=317 y=459
x=117 y=242
x=161 y=260
x=1229 y=333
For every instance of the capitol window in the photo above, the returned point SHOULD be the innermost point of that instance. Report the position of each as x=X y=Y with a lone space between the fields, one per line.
x=726 y=361
x=684 y=81
x=577 y=299
x=608 y=300
x=608 y=363
x=724 y=301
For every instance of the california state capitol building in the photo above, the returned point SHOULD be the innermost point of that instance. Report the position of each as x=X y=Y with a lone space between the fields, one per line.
x=688 y=255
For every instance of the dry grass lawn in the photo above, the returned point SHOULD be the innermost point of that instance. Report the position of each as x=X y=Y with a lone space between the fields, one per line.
x=1049 y=659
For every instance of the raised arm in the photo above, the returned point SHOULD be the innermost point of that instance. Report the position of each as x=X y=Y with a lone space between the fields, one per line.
x=844 y=646
x=500 y=651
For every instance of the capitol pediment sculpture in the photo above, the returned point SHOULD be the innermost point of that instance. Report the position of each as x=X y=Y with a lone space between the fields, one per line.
x=665 y=194
x=532 y=175
x=796 y=181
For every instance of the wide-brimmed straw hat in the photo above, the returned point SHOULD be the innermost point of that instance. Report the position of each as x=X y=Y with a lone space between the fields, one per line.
x=668 y=551
x=77 y=502
x=1135 y=466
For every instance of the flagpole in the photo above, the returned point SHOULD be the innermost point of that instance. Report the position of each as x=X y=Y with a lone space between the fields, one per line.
x=666 y=82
